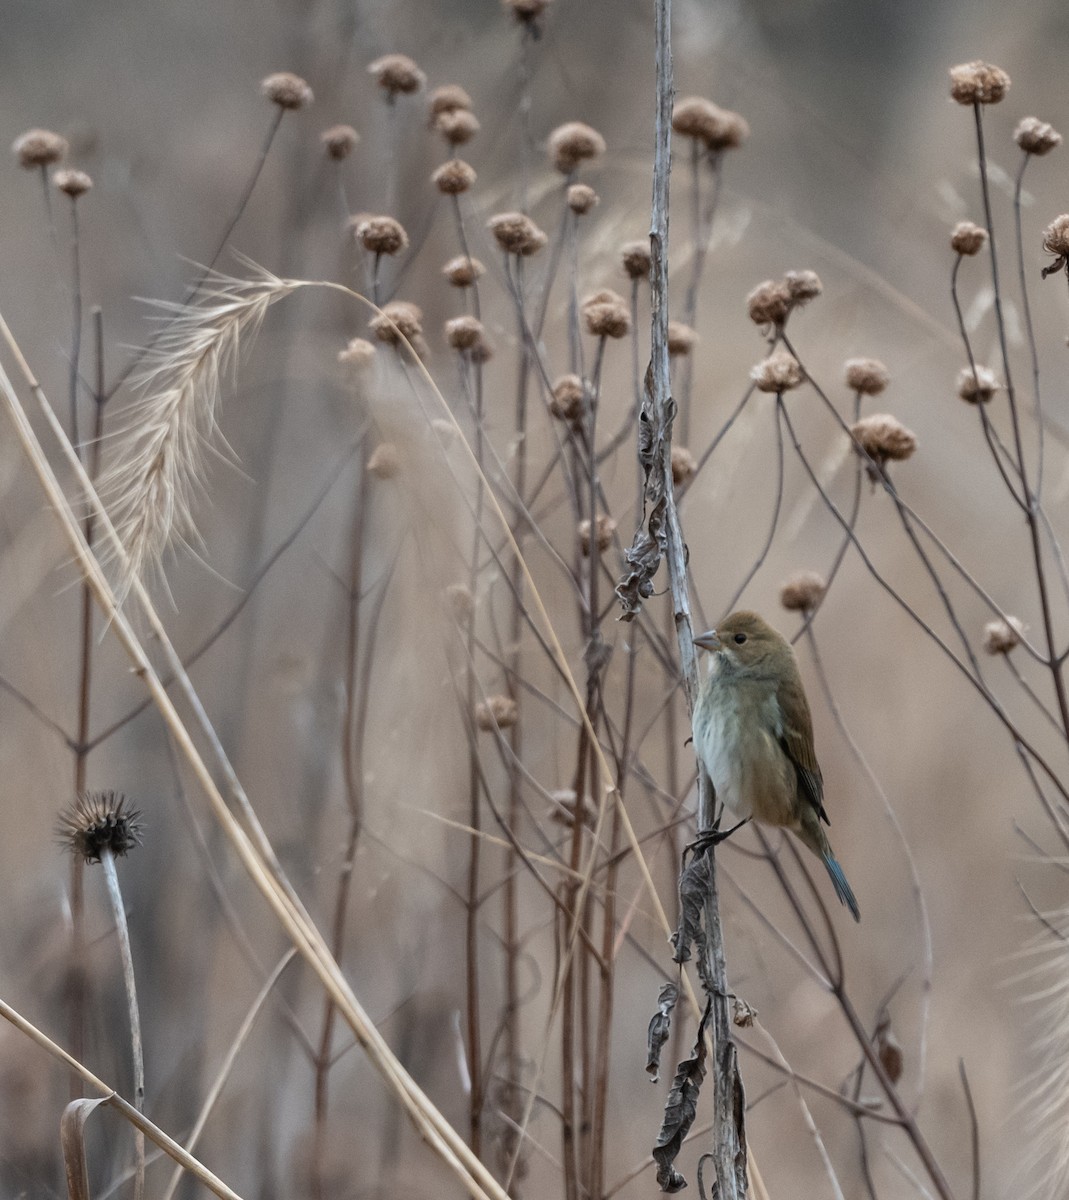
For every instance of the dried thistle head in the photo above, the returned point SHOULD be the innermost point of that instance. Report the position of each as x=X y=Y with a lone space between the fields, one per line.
x=635 y=257
x=462 y=333
x=684 y=465
x=496 y=712
x=604 y=528
x=72 y=183
x=1000 y=637
x=450 y=97
x=581 y=198
x=399 y=318
x=769 y=304
x=286 y=90
x=715 y=127
x=866 y=375
x=802 y=286
x=39 y=148
x=968 y=238
x=99 y=823
x=339 y=141
x=385 y=461
x=517 y=234
x=457 y=126
x=802 y=592
x=379 y=234
x=1036 y=137
x=567 y=400
x=463 y=271
x=978 y=83
x=1056 y=236
x=605 y=314
x=397 y=75
x=977 y=385
x=454 y=177
x=884 y=438
x=681 y=339
x=780 y=372
x=358 y=353
x=574 y=143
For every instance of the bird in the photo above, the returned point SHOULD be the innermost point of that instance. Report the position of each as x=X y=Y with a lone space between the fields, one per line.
x=753 y=733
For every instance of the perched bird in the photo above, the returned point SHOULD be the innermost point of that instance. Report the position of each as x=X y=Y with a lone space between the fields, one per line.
x=754 y=736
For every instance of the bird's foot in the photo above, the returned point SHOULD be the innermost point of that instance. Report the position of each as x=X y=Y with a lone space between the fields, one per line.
x=713 y=837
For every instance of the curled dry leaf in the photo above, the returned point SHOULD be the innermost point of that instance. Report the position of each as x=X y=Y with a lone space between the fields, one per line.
x=680 y=1109
x=660 y=1026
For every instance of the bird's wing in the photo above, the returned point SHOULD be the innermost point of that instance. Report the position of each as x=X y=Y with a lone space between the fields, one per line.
x=796 y=741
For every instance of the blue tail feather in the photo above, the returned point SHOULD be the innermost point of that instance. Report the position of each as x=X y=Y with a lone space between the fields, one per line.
x=842 y=888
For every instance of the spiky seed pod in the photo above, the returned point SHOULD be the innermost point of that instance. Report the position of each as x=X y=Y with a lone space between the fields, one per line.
x=458 y=126
x=581 y=198
x=379 y=235
x=684 y=465
x=778 y=373
x=802 y=592
x=39 y=148
x=866 y=375
x=566 y=403
x=978 y=83
x=98 y=823
x=462 y=333
x=977 y=385
x=605 y=314
x=769 y=304
x=967 y=238
x=454 y=177
x=574 y=143
x=72 y=183
x=496 y=712
x=1036 y=137
x=604 y=528
x=460 y=601
x=398 y=318
x=385 y=461
x=286 y=90
x=462 y=271
x=1000 y=637
x=884 y=438
x=715 y=127
x=681 y=339
x=339 y=141
x=358 y=353
x=635 y=257
x=450 y=97
x=397 y=75
x=802 y=286
x=517 y=234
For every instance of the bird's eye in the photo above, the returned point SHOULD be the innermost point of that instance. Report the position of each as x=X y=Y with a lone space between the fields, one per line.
x=740 y=638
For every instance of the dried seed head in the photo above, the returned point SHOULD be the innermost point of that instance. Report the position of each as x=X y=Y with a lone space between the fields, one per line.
x=977 y=385
x=884 y=438
x=606 y=314
x=460 y=600
x=39 y=148
x=574 y=143
x=453 y=177
x=715 y=127
x=683 y=465
x=397 y=74
x=1036 y=137
x=742 y=1014
x=769 y=304
x=286 y=90
x=566 y=403
x=978 y=83
x=463 y=332
x=496 y=712
x=516 y=233
x=384 y=462
x=681 y=338
x=72 y=183
x=379 y=235
x=802 y=286
x=526 y=11
x=866 y=375
x=802 y=592
x=457 y=126
x=1000 y=637
x=462 y=271
x=635 y=257
x=358 y=353
x=889 y=1050
x=605 y=527
x=967 y=238
x=339 y=141
x=399 y=317
x=448 y=98
x=1056 y=236
x=481 y=352
x=778 y=373
x=581 y=198
x=98 y=823
x=566 y=808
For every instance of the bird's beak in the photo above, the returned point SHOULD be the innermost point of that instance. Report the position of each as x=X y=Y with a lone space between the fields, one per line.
x=708 y=641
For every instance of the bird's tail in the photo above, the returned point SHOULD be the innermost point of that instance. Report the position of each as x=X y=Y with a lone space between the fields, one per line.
x=842 y=888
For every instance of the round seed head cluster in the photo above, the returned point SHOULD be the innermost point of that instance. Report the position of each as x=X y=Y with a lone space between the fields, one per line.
x=581 y=198
x=635 y=257
x=566 y=402
x=779 y=372
x=604 y=528
x=977 y=385
x=605 y=314
x=453 y=177
x=803 y=286
x=1056 y=236
x=1036 y=137
x=866 y=375
x=462 y=333
x=380 y=235
x=72 y=183
x=99 y=823
x=967 y=238
x=39 y=148
x=397 y=74
x=684 y=465
x=769 y=304
x=462 y=271
x=496 y=712
x=358 y=353
x=516 y=233
x=450 y=97
x=802 y=592
x=1000 y=637
x=681 y=339
x=715 y=127
x=385 y=461
x=398 y=318
x=572 y=144
x=884 y=438
x=286 y=90
x=458 y=126
x=978 y=83
x=339 y=141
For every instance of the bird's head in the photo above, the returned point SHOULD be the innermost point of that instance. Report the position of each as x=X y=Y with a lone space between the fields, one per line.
x=745 y=642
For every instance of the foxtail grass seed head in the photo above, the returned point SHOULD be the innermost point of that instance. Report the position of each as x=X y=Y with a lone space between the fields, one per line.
x=358 y=353
x=566 y=402
x=98 y=823
x=462 y=333
x=977 y=385
x=72 y=183
x=339 y=141
x=769 y=304
x=398 y=318
x=635 y=257
x=866 y=375
x=780 y=372
x=496 y=712
x=605 y=314
x=572 y=144
x=684 y=465
x=604 y=528
x=379 y=235
x=802 y=592
x=286 y=90
x=715 y=127
x=1000 y=637
x=681 y=339
x=517 y=234
x=581 y=198
x=460 y=601
x=1036 y=137
x=385 y=461
x=463 y=271
x=884 y=438
x=802 y=286
x=397 y=75
x=457 y=126
x=968 y=238
x=39 y=148
x=978 y=83
x=454 y=177
x=450 y=97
